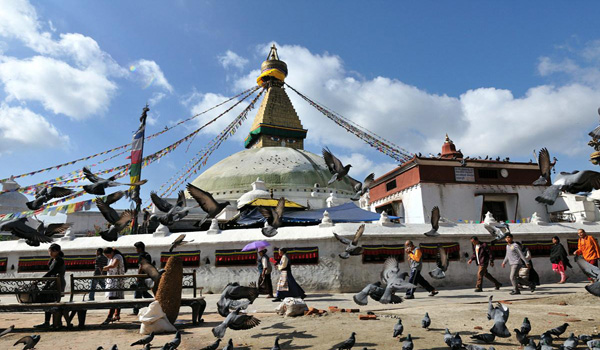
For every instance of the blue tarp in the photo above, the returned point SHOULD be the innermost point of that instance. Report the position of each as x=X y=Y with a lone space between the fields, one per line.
x=347 y=212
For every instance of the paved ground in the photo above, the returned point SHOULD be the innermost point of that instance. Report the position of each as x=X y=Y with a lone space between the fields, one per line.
x=460 y=310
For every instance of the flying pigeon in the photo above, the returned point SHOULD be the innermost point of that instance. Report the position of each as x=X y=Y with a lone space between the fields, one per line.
x=498 y=231
x=487 y=338
x=229 y=345
x=98 y=184
x=521 y=338
x=571 y=342
x=207 y=203
x=545 y=168
x=426 y=321
x=559 y=330
x=398 y=329
x=235 y=296
x=408 y=343
x=499 y=314
x=375 y=291
x=30 y=341
x=117 y=222
x=46 y=194
x=19 y=228
x=393 y=279
x=276 y=344
x=236 y=321
x=335 y=166
x=361 y=187
x=352 y=247
x=273 y=216
x=575 y=182
x=435 y=223
x=7 y=330
x=213 y=346
x=179 y=241
x=456 y=342
x=525 y=326
x=348 y=343
x=441 y=264
x=145 y=340
x=169 y=212
x=592 y=272
x=447 y=336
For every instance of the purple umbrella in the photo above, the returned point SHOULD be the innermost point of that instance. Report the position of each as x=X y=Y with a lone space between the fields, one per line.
x=257 y=245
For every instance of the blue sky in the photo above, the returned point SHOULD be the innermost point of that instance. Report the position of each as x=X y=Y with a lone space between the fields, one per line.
x=502 y=78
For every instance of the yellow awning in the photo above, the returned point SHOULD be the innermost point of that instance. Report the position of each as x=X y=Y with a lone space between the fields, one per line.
x=269 y=202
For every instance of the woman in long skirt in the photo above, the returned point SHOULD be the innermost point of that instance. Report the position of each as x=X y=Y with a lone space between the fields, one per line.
x=287 y=285
x=559 y=259
x=116 y=266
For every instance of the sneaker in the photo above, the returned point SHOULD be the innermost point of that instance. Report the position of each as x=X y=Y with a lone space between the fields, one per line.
x=409 y=297
x=514 y=292
x=498 y=286
x=433 y=293
x=533 y=288
x=478 y=290
x=276 y=300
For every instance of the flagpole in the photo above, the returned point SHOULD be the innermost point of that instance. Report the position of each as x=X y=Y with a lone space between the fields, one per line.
x=135 y=172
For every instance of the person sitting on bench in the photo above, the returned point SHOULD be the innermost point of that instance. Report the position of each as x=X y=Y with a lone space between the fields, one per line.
x=56 y=268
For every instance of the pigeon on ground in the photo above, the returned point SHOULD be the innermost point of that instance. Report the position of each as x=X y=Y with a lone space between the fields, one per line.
x=408 y=343
x=169 y=213
x=98 y=184
x=276 y=345
x=30 y=341
x=173 y=344
x=145 y=340
x=179 y=241
x=546 y=338
x=487 y=338
x=545 y=168
x=435 y=223
x=19 y=228
x=545 y=345
x=352 y=247
x=229 y=345
x=582 y=338
x=146 y=347
x=393 y=279
x=348 y=343
x=526 y=326
x=447 y=336
x=46 y=194
x=114 y=347
x=497 y=231
x=398 y=328
x=236 y=321
x=575 y=182
x=117 y=222
x=521 y=338
x=335 y=166
x=361 y=187
x=558 y=331
x=375 y=291
x=274 y=217
x=426 y=321
x=593 y=344
x=207 y=203
x=477 y=347
x=441 y=264
x=530 y=344
x=456 y=342
x=571 y=342
x=7 y=330
x=499 y=314
x=235 y=296
x=213 y=346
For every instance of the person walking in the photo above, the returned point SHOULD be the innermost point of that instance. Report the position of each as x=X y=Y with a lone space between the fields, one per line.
x=527 y=271
x=559 y=259
x=415 y=257
x=265 y=286
x=515 y=258
x=482 y=255
x=56 y=267
x=587 y=247
x=101 y=261
x=287 y=285
x=116 y=266
x=140 y=248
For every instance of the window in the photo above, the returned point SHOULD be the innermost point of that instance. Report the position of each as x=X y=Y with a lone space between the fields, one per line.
x=497 y=208
x=390 y=185
x=377 y=254
x=189 y=258
x=487 y=173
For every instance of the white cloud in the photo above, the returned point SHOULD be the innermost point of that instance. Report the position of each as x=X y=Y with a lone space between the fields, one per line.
x=202 y=102
x=363 y=166
x=58 y=86
x=150 y=74
x=19 y=20
x=232 y=59
x=156 y=98
x=20 y=127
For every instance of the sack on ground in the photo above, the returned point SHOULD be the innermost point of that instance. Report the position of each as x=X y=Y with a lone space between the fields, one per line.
x=291 y=307
x=154 y=320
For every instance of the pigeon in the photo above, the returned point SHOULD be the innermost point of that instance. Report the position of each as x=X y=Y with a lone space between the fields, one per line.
x=375 y=291
x=145 y=340
x=521 y=338
x=456 y=342
x=361 y=187
x=276 y=344
x=596 y=132
x=19 y=228
x=98 y=184
x=274 y=217
x=441 y=264
x=53 y=229
x=235 y=321
x=352 y=247
x=477 y=347
x=582 y=337
x=592 y=272
x=593 y=344
x=398 y=328
x=559 y=330
x=426 y=321
x=348 y=343
x=574 y=182
x=7 y=330
x=546 y=338
x=487 y=338
x=544 y=345
x=435 y=223
x=571 y=342
x=530 y=344
x=147 y=268
x=213 y=346
x=207 y=203
x=335 y=166
x=179 y=241
x=229 y=345
x=117 y=222
x=525 y=326
x=500 y=315
x=147 y=347
x=447 y=336
x=173 y=344
x=30 y=341
x=169 y=212
x=408 y=343
x=114 y=347
x=498 y=231
x=545 y=168
x=235 y=296
x=46 y=194
x=394 y=279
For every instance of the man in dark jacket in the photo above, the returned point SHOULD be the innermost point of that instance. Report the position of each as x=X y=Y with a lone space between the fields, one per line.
x=101 y=261
x=483 y=257
x=140 y=248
